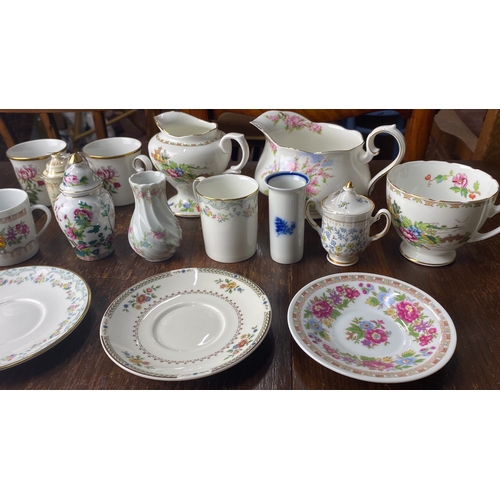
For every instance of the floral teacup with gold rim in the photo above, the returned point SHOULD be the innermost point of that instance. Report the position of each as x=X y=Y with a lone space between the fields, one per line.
x=438 y=206
x=29 y=160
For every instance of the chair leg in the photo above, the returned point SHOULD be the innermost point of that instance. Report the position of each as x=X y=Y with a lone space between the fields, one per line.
x=6 y=135
x=100 y=124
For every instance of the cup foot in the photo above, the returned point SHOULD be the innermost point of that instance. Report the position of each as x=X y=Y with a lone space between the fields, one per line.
x=183 y=206
x=341 y=263
x=425 y=257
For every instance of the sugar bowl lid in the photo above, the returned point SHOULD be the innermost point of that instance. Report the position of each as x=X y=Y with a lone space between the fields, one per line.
x=79 y=179
x=347 y=202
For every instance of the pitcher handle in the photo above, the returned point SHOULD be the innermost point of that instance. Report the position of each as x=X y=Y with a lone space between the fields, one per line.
x=146 y=163
x=379 y=214
x=195 y=183
x=47 y=213
x=225 y=144
x=495 y=209
x=370 y=145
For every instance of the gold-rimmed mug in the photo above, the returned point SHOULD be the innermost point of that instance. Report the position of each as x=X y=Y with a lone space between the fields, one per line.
x=113 y=160
x=29 y=160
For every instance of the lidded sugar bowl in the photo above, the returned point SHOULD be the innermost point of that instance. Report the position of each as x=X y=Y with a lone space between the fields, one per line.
x=85 y=211
x=345 y=225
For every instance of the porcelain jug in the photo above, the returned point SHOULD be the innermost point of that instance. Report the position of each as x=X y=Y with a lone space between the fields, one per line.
x=328 y=154
x=154 y=232
x=186 y=148
x=345 y=226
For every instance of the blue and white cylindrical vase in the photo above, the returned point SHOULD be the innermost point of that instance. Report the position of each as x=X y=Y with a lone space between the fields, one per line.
x=287 y=199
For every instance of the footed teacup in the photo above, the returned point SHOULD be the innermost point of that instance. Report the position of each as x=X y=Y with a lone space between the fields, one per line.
x=438 y=206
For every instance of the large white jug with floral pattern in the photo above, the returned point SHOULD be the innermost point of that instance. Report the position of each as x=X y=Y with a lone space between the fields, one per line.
x=186 y=148
x=328 y=154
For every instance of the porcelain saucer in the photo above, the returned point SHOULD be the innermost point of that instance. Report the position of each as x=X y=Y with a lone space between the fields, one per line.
x=372 y=327
x=185 y=324
x=39 y=306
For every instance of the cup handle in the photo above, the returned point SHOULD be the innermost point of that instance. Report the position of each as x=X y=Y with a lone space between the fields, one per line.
x=47 y=213
x=312 y=222
x=370 y=145
x=225 y=144
x=146 y=163
x=484 y=236
x=374 y=219
x=195 y=183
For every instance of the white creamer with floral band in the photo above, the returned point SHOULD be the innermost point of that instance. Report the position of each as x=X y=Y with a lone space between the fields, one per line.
x=186 y=148
x=328 y=154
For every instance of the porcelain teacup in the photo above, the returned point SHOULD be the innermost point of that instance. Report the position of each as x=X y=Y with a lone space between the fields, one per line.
x=438 y=206
x=114 y=160
x=29 y=160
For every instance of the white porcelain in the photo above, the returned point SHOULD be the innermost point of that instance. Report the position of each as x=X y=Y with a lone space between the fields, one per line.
x=154 y=231
x=39 y=307
x=328 y=154
x=186 y=148
x=185 y=324
x=29 y=160
x=113 y=159
x=438 y=206
x=85 y=212
x=287 y=199
x=346 y=222
x=372 y=328
x=229 y=216
x=19 y=240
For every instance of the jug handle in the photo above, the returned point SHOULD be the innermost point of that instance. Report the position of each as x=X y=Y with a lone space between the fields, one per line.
x=312 y=222
x=388 y=218
x=225 y=144
x=483 y=236
x=195 y=183
x=370 y=144
x=146 y=163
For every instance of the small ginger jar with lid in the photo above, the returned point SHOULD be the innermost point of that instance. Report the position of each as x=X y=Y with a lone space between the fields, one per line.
x=85 y=211
x=346 y=218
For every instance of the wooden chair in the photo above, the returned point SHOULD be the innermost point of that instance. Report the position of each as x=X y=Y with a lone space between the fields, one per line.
x=418 y=122
x=453 y=139
x=50 y=119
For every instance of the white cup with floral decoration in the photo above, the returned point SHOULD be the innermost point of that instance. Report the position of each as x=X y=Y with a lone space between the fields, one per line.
x=229 y=216
x=113 y=159
x=437 y=207
x=29 y=160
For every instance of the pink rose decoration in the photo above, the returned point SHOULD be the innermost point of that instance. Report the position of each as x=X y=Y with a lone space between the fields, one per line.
x=376 y=336
x=407 y=311
x=460 y=180
x=423 y=340
x=106 y=174
x=321 y=309
x=27 y=173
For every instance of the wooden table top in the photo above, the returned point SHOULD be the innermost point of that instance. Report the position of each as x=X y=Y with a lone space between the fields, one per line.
x=468 y=289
